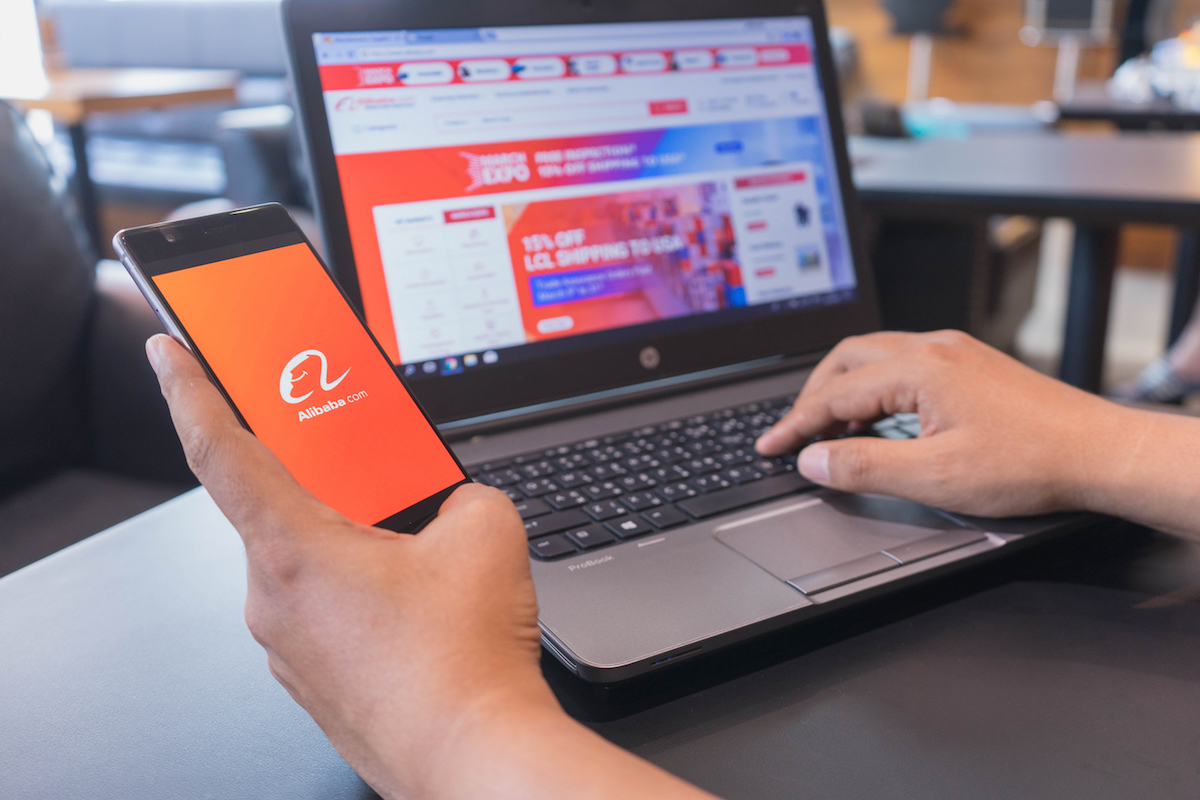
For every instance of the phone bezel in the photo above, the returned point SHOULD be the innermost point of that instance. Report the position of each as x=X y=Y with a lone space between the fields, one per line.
x=239 y=228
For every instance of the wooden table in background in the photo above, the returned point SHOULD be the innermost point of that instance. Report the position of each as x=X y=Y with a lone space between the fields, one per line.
x=1092 y=103
x=75 y=94
x=1098 y=182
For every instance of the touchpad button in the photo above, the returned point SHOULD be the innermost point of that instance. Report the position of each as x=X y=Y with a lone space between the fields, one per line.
x=816 y=533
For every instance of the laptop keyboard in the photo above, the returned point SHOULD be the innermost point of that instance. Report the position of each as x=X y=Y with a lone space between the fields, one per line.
x=598 y=492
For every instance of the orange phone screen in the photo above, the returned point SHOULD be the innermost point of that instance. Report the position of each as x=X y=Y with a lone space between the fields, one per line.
x=308 y=380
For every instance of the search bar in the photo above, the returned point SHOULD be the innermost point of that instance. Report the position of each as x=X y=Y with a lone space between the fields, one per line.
x=503 y=119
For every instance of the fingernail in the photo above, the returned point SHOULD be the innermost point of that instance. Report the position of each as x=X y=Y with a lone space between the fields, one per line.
x=814 y=463
x=152 y=352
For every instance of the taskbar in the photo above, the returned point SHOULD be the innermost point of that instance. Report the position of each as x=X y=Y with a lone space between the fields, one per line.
x=464 y=363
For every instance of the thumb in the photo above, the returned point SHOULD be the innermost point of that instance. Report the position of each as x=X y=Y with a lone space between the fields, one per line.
x=245 y=479
x=866 y=464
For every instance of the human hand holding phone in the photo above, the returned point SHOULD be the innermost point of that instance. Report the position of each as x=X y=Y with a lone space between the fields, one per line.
x=417 y=655
x=246 y=293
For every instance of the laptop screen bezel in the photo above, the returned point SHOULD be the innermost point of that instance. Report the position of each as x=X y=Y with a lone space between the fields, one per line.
x=601 y=367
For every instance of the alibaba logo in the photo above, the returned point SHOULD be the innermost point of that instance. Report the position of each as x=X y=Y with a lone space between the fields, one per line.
x=286 y=379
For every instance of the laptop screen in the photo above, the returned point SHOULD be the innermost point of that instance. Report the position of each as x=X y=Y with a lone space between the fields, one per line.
x=515 y=192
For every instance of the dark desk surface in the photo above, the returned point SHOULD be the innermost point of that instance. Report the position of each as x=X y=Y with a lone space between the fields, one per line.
x=1127 y=177
x=1069 y=670
x=1092 y=102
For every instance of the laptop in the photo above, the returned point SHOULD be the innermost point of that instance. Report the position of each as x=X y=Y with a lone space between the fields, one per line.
x=604 y=242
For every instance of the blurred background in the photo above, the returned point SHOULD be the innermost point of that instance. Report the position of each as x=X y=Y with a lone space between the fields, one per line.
x=126 y=112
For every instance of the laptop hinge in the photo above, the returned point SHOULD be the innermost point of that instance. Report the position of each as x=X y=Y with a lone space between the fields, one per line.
x=458 y=430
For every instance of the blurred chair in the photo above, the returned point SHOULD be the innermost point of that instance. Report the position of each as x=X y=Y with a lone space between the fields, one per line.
x=85 y=437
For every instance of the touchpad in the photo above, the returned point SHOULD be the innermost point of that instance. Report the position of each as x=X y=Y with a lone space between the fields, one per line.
x=817 y=532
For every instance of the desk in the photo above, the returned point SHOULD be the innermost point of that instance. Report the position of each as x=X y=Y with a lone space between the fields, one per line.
x=1066 y=671
x=1098 y=182
x=75 y=94
x=1092 y=103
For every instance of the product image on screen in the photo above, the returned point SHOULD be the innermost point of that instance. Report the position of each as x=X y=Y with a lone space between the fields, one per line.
x=511 y=190
x=309 y=381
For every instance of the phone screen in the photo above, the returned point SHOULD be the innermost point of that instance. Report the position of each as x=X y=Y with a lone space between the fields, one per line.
x=309 y=380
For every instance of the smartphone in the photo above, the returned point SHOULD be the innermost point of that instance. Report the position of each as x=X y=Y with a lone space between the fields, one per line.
x=248 y=295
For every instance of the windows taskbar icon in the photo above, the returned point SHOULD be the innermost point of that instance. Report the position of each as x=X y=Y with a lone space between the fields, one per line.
x=451 y=365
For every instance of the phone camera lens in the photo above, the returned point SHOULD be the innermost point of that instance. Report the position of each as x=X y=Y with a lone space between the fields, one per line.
x=170 y=237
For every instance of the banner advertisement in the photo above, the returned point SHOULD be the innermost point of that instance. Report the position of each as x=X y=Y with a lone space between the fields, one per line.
x=591 y=263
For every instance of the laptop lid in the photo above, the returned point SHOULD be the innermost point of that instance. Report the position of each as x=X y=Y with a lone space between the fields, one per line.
x=570 y=197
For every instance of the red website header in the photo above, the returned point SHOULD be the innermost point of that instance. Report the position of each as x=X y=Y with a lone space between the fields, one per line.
x=547 y=67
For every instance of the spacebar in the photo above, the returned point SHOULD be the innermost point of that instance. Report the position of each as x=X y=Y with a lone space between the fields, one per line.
x=706 y=505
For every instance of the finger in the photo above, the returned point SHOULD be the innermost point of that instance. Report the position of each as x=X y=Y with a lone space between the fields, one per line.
x=245 y=479
x=901 y=468
x=476 y=510
x=855 y=351
x=871 y=391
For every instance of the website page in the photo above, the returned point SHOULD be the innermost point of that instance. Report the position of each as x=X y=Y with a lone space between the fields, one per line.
x=511 y=186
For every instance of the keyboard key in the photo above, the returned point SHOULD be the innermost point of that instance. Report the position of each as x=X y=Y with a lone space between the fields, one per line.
x=539 y=469
x=701 y=466
x=554 y=523
x=551 y=547
x=606 y=471
x=539 y=487
x=639 y=501
x=706 y=505
x=589 y=537
x=631 y=483
x=629 y=527
x=504 y=477
x=514 y=495
x=665 y=517
x=737 y=456
x=530 y=508
x=672 y=455
x=772 y=466
x=676 y=491
x=741 y=474
x=492 y=466
x=572 y=479
x=605 y=510
x=572 y=462
x=709 y=483
x=564 y=500
x=602 y=491
x=669 y=474
x=641 y=463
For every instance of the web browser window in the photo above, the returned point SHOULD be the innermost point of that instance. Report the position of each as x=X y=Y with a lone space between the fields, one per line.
x=509 y=188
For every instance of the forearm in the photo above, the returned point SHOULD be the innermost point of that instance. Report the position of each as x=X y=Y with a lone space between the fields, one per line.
x=1146 y=469
x=540 y=752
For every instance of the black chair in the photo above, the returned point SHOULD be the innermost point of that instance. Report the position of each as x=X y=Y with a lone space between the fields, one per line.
x=85 y=437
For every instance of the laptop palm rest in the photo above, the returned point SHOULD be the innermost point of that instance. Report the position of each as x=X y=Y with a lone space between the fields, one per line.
x=828 y=539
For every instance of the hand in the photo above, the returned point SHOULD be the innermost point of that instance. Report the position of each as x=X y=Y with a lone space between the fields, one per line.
x=417 y=655
x=997 y=438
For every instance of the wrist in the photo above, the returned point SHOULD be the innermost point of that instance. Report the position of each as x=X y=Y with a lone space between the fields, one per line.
x=488 y=733
x=1104 y=469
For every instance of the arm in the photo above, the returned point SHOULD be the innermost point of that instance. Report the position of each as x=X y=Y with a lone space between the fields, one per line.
x=997 y=439
x=417 y=655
